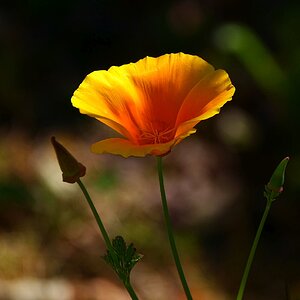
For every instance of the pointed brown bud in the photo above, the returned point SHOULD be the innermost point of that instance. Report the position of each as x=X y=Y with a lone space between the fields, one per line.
x=71 y=169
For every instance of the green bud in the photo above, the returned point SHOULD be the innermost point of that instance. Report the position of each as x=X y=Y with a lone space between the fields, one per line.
x=71 y=169
x=275 y=185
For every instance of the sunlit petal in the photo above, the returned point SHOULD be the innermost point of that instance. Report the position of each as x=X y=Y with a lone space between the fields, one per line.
x=207 y=97
x=126 y=148
x=154 y=103
x=164 y=82
x=108 y=96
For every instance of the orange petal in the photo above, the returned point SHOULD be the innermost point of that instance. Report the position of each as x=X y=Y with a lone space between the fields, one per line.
x=204 y=100
x=163 y=83
x=138 y=95
x=126 y=148
x=107 y=96
x=159 y=99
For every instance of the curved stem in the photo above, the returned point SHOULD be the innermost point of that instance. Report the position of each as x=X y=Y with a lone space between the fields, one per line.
x=169 y=229
x=253 y=250
x=106 y=238
x=96 y=215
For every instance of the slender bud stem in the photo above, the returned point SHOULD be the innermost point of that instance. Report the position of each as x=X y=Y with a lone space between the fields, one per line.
x=272 y=190
x=106 y=238
x=72 y=170
x=96 y=215
x=170 y=231
x=253 y=250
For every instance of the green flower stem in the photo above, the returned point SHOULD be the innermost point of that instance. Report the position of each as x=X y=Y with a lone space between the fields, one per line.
x=169 y=229
x=106 y=238
x=130 y=290
x=96 y=215
x=253 y=250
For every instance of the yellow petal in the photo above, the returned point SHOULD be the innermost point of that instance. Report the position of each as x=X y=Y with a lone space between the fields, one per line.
x=126 y=148
x=111 y=98
x=205 y=100
x=184 y=134
x=154 y=103
x=137 y=95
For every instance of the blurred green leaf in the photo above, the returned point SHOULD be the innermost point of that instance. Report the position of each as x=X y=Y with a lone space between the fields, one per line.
x=256 y=57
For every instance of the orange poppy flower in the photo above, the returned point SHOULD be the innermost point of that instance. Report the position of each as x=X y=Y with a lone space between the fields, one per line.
x=153 y=103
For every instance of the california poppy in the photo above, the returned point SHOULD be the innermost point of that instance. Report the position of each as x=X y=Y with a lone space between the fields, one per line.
x=153 y=103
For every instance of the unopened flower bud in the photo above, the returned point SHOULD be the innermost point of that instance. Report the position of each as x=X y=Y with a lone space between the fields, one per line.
x=71 y=169
x=275 y=185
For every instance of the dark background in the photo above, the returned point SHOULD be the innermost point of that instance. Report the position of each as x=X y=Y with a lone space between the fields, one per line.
x=215 y=179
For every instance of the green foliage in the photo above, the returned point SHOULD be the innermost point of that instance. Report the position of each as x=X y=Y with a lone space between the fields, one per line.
x=123 y=259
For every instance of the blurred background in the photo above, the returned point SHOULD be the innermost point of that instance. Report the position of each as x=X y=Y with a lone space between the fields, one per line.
x=50 y=247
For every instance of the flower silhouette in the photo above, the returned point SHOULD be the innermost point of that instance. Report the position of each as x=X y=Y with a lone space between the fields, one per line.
x=153 y=103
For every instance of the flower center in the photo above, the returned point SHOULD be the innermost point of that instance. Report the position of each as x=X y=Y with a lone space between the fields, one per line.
x=156 y=134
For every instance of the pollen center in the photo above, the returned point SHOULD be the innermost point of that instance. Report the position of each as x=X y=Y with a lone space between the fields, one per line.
x=156 y=133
